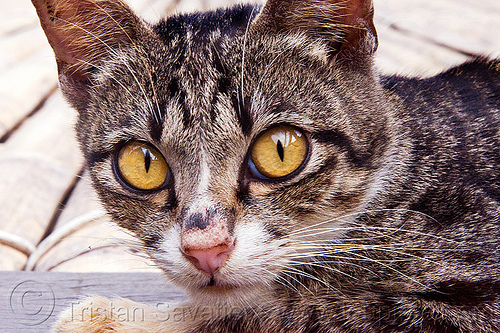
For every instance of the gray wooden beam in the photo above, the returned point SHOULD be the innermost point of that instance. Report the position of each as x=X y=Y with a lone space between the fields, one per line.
x=32 y=300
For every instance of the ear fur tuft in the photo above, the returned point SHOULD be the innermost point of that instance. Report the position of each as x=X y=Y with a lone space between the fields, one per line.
x=345 y=25
x=84 y=32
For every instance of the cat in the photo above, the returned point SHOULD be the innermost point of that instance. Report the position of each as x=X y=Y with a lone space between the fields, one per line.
x=270 y=171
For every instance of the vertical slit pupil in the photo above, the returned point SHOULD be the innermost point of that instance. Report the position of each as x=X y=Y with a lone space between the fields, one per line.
x=281 y=151
x=147 y=158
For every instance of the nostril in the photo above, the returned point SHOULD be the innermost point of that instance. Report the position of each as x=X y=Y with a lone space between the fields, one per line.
x=209 y=260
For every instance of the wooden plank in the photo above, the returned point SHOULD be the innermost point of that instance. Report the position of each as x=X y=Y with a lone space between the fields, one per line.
x=17 y=47
x=32 y=300
x=97 y=245
x=188 y=6
x=410 y=56
x=466 y=25
x=16 y=16
x=37 y=165
x=83 y=200
x=23 y=86
x=11 y=259
x=153 y=10
x=213 y=4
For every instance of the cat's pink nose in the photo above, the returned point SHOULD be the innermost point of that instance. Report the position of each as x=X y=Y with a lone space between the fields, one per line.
x=209 y=260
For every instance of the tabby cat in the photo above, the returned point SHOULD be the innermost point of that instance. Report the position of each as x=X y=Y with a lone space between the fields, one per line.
x=271 y=172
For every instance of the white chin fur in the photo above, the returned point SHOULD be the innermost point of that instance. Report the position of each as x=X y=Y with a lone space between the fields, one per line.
x=248 y=272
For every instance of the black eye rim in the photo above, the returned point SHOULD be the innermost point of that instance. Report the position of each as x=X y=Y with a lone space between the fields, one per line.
x=167 y=183
x=254 y=173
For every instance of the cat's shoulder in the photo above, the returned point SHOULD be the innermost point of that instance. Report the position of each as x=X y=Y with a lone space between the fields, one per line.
x=472 y=87
x=479 y=67
x=477 y=70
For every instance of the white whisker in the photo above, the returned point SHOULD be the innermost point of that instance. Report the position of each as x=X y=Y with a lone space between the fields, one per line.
x=364 y=212
x=379 y=262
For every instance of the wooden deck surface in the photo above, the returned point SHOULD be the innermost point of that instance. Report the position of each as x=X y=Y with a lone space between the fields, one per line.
x=50 y=220
x=32 y=299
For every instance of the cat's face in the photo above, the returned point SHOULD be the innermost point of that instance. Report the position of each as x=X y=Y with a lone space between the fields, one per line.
x=233 y=148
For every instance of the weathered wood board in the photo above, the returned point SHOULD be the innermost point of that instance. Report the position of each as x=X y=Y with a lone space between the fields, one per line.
x=95 y=244
x=23 y=86
x=85 y=240
x=27 y=66
x=31 y=301
x=38 y=164
x=466 y=26
x=15 y=17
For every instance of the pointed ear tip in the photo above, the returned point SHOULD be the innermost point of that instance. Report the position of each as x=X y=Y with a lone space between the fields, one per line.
x=42 y=8
x=39 y=4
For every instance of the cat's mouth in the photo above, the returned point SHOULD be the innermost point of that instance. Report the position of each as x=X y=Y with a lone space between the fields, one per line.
x=215 y=285
x=211 y=283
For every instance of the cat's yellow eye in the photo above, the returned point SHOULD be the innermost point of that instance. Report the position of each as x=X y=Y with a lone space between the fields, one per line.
x=141 y=166
x=279 y=151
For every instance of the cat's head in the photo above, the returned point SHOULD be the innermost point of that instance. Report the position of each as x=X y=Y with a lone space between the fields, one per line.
x=229 y=142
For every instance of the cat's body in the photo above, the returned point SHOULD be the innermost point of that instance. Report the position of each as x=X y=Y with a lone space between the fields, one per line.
x=382 y=215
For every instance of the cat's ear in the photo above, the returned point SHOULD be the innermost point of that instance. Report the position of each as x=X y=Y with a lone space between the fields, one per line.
x=346 y=26
x=83 y=33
